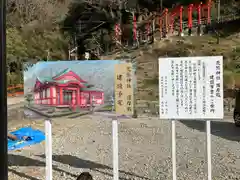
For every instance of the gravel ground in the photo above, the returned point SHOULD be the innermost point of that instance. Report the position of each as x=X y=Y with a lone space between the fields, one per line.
x=84 y=144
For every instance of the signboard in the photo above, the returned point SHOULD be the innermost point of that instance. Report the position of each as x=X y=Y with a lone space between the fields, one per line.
x=124 y=89
x=191 y=88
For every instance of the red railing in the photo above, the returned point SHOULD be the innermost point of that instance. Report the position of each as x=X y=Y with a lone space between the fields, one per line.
x=167 y=18
x=16 y=90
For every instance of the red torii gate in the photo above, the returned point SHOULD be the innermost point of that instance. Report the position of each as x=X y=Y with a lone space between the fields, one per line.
x=167 y=19
x=177 y=11
x=163 y=18
x=199 y=7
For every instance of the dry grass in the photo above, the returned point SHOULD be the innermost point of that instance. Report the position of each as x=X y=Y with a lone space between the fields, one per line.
x=147 y=72
x=147 y=59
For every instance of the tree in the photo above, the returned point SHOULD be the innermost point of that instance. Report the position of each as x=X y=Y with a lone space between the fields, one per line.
x=29 y=98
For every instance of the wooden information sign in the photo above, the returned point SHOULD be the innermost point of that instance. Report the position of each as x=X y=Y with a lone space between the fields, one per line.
x=124 y=89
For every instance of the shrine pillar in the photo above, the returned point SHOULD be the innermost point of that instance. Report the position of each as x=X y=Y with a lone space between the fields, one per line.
x=181 y=21
x=199 y=11
x=135 y=39
x=53 y=90
x=51 y=95
x=78 y=96
x=209 y=12
x=166 y=23
x=61 y=95
x=190 y=8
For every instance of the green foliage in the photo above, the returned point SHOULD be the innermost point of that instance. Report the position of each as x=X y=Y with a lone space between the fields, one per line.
x=14 y=78
x=29 y=98
x=16 y=46
x=32 y=46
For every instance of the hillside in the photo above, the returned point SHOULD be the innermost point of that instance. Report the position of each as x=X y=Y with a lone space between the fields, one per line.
x=146 y=59
x=46 y=30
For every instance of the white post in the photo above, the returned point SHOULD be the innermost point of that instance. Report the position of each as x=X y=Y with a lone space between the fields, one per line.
x=115 y=149
x=209 y=157
x=48 y=149
x=174 y=162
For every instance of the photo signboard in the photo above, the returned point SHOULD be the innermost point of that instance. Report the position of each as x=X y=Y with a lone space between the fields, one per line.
x=191 y=88
x=71 y=86
x=124 y=89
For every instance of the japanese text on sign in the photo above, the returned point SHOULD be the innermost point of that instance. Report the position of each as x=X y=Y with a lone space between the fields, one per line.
x=123 y=89
x=191 y=88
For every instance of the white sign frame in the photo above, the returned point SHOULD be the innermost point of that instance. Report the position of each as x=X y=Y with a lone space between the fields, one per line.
x=208 y=73
x=203 y=72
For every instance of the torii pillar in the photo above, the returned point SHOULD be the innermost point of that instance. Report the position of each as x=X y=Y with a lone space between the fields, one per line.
x=180 y=21
x=135 y=35
x=166 y=23
x=190 y=9
x=199 y=10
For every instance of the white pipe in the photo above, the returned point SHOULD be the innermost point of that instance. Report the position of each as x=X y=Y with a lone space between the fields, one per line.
x=48 y=149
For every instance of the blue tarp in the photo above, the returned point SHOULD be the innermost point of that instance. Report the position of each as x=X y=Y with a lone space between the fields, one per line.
x=36 y=136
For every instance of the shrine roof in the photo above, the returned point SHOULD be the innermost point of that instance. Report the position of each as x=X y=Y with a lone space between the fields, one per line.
x=54 y=79
x=45 y=80
x=65 y=71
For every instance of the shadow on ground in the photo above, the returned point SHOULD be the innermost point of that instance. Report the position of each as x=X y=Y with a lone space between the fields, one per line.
x=81 y=163
x=225 y=130
x=20 y=174
x=18 y=160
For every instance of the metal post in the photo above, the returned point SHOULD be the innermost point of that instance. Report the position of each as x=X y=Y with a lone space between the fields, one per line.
x=3 y=90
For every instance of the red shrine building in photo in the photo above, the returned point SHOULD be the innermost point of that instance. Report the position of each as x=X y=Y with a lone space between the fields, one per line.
x=66 y=89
